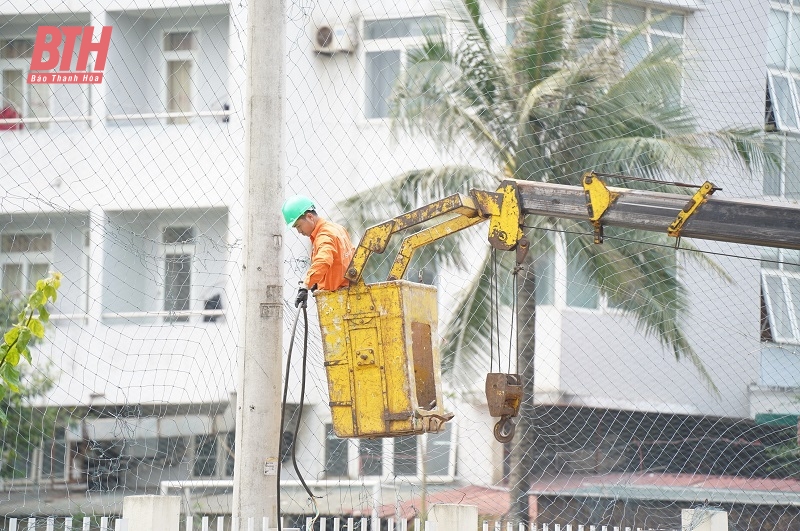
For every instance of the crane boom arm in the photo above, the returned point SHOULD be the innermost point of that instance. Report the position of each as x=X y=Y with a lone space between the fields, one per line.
x=701 y=216
x=729 y=220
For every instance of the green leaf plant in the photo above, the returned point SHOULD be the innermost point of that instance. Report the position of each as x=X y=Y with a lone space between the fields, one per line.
x=28 y=328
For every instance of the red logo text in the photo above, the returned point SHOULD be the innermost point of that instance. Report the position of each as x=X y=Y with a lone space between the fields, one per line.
x=49 y=41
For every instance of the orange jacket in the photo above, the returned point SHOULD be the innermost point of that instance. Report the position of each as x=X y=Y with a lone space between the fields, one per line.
x=331 y=252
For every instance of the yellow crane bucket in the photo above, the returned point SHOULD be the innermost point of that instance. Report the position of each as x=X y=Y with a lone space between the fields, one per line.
x=382 y=360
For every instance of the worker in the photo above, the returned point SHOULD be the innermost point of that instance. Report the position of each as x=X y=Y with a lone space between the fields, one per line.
x=331 y=248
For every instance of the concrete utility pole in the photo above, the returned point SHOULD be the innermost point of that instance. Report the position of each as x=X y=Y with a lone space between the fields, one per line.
x=259 y=358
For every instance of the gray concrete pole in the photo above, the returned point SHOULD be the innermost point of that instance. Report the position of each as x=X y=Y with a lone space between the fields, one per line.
x=261 y=321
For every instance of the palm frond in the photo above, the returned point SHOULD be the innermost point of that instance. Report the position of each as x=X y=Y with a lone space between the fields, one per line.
x=448 y=92
x=411 y=190
x=641 y=279
x=541 y=42
x=467 y=335
x=746 y=146
x=467 y=341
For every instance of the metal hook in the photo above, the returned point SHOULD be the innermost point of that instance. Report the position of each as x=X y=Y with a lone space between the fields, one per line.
x=504 y=429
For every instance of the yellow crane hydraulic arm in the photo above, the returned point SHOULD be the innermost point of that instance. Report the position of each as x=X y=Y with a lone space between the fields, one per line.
x=501 y=208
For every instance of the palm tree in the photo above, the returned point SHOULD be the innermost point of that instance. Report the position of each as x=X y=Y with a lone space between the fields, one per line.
x=559 y=102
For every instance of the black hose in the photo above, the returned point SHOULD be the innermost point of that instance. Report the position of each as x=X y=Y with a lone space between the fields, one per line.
x=283 y=414
x=299 y=413
x=302 y=399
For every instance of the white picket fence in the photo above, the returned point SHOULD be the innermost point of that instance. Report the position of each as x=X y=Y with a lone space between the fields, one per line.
x=217 y=523
x=70 y=524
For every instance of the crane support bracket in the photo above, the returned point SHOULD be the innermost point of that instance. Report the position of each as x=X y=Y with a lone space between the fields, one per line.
x=503 y=209
x=699 y=198
x=598 y=199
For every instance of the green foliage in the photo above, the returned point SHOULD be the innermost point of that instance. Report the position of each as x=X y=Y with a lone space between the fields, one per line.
x=784 y=459
x=25 y=426
x=29 y=327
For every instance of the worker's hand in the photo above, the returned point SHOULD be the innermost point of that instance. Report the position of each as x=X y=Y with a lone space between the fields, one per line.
x=301 y=301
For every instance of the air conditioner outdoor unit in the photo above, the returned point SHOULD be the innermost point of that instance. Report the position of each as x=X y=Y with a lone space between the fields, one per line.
x=329 y=40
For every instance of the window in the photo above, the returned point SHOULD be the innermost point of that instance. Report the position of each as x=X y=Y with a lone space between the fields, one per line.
x=515 y=13
x=54 y=456
x=783 y=61
x=205 y=456
x=565 y=275
x=405 y=455
x=20 y=99
x=24 y=258
x=157 y=451
x=47 y=460
x=438 y=448
x=370 y=457
x=335 y=454
x=20 y=464
x=780 y=293
x=179 y=248
x=783 y=178
x=782 y=112
x=106 y=465
x=228 y=453
x=16 y=48
x=661 y=28
x=179 y=53
x=582 y=292
x=214 y=455
x=386 y=43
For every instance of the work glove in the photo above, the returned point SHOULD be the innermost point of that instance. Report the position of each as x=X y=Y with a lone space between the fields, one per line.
x=301 y=301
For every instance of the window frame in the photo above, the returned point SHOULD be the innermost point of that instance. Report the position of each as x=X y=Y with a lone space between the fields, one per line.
x=39 y=454
x=26 y=259
x=187 y=56
x=329 y=436
x=169 y=249
x=400 y=44
x=781 y=272
x=779 y=130
x=514 y=19
x=782 y=140
x=792 y=11
x=619 y=29
x=23 y=64
x=794 y=95
x=220 y=454
x=387 y=458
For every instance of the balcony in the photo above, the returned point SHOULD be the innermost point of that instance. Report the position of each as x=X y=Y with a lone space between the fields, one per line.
x=165 y=67
x=165 y=267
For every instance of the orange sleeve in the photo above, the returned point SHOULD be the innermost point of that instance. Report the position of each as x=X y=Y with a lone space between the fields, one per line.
x=321 y=261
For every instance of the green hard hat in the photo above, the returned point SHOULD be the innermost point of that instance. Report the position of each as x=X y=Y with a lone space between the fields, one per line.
x=296 y=206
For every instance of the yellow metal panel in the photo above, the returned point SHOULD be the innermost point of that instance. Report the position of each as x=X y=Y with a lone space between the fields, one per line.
x=502 y=207
x=382 y=359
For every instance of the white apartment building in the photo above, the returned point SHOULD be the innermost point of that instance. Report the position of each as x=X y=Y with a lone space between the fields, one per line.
x=132 y=189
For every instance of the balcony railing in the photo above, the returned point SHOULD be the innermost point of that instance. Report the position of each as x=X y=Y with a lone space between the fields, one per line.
x=83 y=318
x=116 y=117
x=174 y=315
